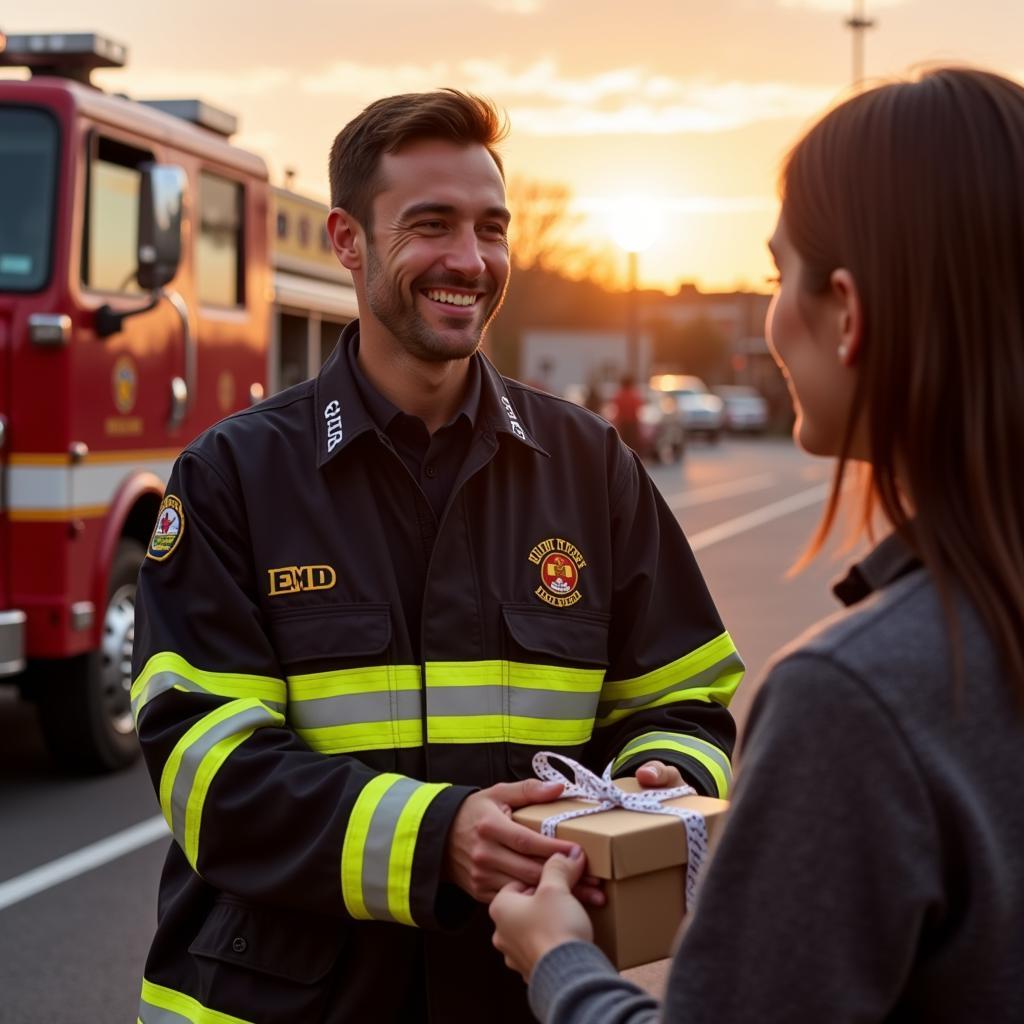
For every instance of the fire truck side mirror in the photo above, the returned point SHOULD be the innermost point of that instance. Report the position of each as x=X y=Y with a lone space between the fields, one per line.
x=161 y=199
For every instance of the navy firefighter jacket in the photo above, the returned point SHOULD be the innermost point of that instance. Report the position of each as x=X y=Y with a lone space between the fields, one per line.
x=325 y=669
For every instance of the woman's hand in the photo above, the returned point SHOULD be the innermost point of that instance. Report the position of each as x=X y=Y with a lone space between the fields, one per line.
x=530 y=922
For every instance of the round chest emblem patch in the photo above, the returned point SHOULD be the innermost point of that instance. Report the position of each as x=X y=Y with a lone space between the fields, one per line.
x=125 y=383
x=170 y=523
x=560 y=563
x=558 y=574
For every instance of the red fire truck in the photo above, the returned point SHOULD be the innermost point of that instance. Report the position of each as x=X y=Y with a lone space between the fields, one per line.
x=151 y=282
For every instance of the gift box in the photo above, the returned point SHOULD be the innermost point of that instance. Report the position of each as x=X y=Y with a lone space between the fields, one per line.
x=642 y=859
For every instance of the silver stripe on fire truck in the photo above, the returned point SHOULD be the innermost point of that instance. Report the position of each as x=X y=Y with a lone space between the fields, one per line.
x=65 y=488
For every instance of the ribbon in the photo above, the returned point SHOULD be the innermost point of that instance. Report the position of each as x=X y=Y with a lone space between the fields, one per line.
x=585 y=785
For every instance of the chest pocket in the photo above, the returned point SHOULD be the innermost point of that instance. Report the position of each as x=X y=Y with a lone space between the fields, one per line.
x=345 y=695
x=555 y=665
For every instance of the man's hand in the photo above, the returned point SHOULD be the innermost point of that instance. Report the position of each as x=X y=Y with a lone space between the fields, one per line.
x=486 y=849
x=655 y=775
x=530 y=922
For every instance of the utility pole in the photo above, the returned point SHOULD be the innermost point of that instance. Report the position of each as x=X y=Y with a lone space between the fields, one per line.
x=858 y=24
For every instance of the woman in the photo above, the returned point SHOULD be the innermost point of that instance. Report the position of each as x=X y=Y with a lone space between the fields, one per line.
x=873 y=865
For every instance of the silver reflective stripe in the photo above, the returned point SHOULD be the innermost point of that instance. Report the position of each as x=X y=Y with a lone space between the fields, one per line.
x=161 y=682
x=701 y=681
x=150 y=1014
x=673 y=741
x=382 y=706
x=377 y=852
x=191 y=759
x=443 y=701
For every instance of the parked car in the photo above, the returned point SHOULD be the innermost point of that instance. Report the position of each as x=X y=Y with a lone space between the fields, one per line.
x=703 y=412
x=746 y=410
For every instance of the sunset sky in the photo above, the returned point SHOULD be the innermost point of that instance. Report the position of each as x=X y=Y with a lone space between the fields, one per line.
x=689 y=104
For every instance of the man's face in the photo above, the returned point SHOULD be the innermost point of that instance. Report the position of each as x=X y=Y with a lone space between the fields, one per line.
x=437 y=256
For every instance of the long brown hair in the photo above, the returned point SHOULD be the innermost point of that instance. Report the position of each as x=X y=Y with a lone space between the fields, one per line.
x=917 y=188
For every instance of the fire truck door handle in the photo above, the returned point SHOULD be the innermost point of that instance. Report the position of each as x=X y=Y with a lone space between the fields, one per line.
x=183 y=389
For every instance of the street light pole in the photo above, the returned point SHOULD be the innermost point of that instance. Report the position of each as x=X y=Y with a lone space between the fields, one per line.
x=632 y=320
x=858 y=24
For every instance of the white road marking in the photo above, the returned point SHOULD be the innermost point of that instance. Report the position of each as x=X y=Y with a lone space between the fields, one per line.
x=145 y=832
x=14 y=890
x=760 y=516
x=714 y=492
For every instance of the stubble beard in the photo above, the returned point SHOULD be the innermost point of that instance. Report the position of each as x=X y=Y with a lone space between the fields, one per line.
x=407 y=325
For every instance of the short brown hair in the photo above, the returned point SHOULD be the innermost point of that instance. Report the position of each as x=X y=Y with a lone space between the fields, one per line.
x=917 y=188
x=387 y=125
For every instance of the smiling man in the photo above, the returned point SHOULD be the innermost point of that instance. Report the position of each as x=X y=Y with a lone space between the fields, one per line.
x=389 y=587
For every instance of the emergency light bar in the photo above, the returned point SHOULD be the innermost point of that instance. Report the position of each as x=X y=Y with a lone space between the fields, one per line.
x=64 y=54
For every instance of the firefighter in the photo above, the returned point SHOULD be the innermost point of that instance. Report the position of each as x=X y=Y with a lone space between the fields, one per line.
x=371 y=599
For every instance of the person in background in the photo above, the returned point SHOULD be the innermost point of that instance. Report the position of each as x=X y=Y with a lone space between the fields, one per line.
x=878 y=875
x=628 y=402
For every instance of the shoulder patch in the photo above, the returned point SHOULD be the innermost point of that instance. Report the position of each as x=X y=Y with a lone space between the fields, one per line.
x=170 y=525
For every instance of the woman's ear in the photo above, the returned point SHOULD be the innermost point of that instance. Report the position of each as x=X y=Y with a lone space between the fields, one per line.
x=347 y=238
x=849 y=315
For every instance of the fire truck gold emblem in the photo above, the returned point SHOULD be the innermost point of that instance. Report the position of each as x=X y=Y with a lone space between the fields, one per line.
x=560 y=563
x=291 y=579
x=126 y=382
x=170 y=524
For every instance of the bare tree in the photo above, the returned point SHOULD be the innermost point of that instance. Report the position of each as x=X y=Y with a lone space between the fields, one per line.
x=543 y=226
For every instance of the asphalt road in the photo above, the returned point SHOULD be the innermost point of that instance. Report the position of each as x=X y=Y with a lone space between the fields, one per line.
x=72 y=952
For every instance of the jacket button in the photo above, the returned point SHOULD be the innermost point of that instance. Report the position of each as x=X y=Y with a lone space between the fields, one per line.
x=239 y=945
x=431 y=470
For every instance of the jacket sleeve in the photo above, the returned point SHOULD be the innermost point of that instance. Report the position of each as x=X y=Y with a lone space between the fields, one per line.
x=256 y=812
x=673 y=667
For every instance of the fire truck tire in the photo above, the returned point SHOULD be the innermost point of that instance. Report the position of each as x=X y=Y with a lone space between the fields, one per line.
x=85 y=708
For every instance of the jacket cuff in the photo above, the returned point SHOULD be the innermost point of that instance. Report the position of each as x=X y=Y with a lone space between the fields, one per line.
x=436 y=903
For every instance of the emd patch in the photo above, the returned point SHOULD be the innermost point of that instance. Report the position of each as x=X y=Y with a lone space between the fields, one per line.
x=170 y=524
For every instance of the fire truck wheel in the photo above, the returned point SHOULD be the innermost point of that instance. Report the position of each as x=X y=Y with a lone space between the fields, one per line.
x=85 y=710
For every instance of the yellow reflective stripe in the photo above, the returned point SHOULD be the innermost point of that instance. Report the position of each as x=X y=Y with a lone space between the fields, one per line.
x=711 y=673
x=711 y=757
x=168 y=670
x=514 y=673
x=161 y=998
x=404 y=849
x=182 y=792
x=507 y=728
x=356 y=833
x=373 y=679
x=340 y=739
x=208 y=768
x=678 y=671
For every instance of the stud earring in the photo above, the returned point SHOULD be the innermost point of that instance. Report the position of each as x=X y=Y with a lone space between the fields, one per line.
x=841 y=351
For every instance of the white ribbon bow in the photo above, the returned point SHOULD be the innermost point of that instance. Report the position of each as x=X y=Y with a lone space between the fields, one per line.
x=585 y=785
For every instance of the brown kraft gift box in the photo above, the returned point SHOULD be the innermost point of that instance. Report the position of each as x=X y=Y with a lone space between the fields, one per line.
x=642 y=858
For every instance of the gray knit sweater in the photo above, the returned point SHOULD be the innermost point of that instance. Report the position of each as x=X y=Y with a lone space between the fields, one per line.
x=873 y=866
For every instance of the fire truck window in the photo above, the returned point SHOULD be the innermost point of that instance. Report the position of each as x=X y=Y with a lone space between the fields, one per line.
x=292 y=366
x=219 y=248
x=109 y=256
x=28 y=174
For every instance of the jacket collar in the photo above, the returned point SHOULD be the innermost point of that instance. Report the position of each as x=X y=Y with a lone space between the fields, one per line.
x=887 y=562
x=341 y=414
